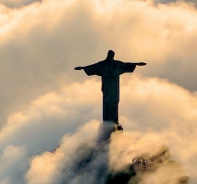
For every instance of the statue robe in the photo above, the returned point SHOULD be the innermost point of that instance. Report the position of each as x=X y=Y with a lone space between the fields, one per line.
x=110 y=72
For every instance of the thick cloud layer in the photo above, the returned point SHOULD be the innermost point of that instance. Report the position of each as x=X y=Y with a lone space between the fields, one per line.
x=41 y=43
x=41 y=126
x=149 y=125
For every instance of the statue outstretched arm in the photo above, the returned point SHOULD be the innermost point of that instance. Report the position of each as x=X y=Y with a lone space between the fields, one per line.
x=130 y=67
x=140 y=64
x=79 y=68
x=93 y=69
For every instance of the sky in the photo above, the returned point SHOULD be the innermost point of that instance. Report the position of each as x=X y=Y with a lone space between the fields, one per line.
x=46 y=104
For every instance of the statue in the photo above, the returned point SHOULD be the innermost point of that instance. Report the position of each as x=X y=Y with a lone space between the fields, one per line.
x=110 y=70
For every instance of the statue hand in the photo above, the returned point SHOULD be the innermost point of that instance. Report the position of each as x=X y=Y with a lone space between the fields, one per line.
x=78 y=68
x=141 y=64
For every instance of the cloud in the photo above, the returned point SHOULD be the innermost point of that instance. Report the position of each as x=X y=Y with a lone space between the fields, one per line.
x=41 y=101
x=58 y=165
x=172 y=1
x=14 y=163
x=40 y=46
x=161 y=168
x=42 y=125
x=17 y=3
x=51 y=115
x=150 y=123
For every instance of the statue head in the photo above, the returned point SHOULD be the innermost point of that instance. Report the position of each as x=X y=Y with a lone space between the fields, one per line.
x=110 y=55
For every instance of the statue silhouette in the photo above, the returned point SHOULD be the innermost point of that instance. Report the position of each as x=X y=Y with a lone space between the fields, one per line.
x=110 y=70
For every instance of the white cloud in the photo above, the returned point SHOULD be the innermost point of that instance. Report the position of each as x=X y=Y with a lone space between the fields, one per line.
x=52 y=115
x=149 y=121
x=41 y=43
x=42 y=125
x=57 y=166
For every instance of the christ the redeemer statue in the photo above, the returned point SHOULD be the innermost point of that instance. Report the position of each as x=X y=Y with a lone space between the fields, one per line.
x=110 y=70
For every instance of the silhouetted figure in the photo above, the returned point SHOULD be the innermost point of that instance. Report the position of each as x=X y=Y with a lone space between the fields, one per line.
x=110 y=70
